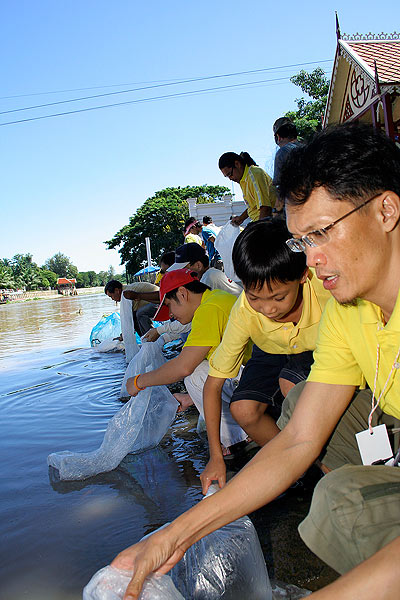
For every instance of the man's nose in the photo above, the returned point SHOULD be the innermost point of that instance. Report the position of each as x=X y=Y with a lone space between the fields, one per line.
x=315 y=257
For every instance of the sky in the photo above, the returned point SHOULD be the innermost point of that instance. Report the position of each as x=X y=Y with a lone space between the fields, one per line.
x=68 y=183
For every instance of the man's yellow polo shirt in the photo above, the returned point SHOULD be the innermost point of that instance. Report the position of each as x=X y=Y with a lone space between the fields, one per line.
x=210 y=319
x=347 y=350
x=271 y=336
x=257 y=190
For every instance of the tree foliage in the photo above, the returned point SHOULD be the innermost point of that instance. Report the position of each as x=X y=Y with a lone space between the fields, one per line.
x=309 y=114
x=61 y=264
x=161 y=218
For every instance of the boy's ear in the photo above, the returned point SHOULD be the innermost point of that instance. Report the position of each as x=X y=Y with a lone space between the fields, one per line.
x=304 y=276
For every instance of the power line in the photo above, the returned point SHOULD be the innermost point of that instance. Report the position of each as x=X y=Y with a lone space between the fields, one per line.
x=180 y=82
x=151 y=99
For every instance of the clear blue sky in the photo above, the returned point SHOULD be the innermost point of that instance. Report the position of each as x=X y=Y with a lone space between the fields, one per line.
x=69 y=183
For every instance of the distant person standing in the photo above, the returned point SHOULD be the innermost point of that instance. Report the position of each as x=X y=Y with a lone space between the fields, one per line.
x=192 y=232
x=285 y=134
x=209 y=233
x=258 y=191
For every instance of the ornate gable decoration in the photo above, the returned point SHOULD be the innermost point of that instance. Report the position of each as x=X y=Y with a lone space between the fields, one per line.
x=360 y=85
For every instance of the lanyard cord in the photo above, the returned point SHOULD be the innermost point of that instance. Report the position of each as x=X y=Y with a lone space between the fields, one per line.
x=373 y=405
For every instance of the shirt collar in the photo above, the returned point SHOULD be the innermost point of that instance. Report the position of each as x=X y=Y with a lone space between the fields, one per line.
x=245 y=173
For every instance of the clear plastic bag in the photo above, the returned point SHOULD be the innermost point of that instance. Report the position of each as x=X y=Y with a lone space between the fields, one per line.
x=109 y=346
x=288 y=591
x=140 y=424
x=110 y=584
x=224 y=244
x=107 y=328
x=227 y=564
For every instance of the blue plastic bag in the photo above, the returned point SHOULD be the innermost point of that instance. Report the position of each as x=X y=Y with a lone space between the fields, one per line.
x=109 y=327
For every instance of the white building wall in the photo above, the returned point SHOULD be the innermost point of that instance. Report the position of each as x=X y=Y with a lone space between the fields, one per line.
x=221 y=212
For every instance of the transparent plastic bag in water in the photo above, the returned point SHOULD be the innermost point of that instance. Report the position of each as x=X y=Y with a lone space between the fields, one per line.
x=287 y=591
x=224 y=244
x=107 y=328
x=110 y=584
x=140 y=424
x=227 y=564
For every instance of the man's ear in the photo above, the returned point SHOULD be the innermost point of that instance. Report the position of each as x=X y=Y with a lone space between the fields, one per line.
x=389 y=210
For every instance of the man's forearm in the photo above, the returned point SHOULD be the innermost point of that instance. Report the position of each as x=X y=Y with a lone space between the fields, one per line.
x=265 y=211
x=212 y=413
x=276 y=466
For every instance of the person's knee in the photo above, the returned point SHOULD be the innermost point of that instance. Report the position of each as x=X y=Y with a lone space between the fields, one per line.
x=289 y=404
x=245 y=412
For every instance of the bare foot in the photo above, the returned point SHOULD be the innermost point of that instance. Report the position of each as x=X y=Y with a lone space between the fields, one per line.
x=184 y=401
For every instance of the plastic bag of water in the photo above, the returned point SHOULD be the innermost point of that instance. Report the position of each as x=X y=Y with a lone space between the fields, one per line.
x=107 y=328
x=140 y=424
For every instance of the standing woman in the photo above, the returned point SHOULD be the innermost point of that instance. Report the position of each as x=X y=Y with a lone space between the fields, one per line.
x=257 y=188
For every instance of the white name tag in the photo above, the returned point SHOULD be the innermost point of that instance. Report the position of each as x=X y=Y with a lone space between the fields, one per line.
x=375 y=446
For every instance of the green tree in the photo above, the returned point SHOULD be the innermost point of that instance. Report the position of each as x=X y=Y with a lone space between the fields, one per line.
x=309 y=114
x=26 y=273
x=62 y=265
x=161 y=218
x=50 y=276
x=82 y=280
x=6 y=275
x=102 y=277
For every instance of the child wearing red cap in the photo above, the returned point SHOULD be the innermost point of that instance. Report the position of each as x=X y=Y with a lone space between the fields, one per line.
x=186 y=299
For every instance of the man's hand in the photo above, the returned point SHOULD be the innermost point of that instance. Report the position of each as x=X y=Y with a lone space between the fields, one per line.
x=159 y=552
x=131 y=388
x=215 y=471
x=130 y=295
x=236 y=221
x=152 y=335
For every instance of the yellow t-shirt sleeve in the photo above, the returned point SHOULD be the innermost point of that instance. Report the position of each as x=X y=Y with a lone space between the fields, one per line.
x=228 y=357
x=334 y=362
x=264 y=191
x=207 y=327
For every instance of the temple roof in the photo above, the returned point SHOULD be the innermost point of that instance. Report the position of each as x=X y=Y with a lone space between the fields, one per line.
x=385 y=53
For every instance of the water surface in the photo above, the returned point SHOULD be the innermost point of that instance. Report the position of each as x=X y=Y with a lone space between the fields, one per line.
x=56 y=393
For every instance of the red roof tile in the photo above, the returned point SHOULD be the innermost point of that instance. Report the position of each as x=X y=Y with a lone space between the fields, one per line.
x=386 y=54
x=65 y=281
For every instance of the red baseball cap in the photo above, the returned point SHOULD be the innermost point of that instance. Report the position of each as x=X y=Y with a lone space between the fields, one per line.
x=171 y=281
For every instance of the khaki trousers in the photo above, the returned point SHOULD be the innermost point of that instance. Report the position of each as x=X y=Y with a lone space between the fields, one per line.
x=355 y=510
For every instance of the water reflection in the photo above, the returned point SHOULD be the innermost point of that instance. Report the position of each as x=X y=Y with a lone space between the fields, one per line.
x=57 y=393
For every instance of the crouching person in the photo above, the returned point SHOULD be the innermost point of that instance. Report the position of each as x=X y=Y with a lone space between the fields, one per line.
x=184 y=298
x=279 y=311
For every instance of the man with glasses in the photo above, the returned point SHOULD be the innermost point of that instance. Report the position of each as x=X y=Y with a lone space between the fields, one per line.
x=342 y=194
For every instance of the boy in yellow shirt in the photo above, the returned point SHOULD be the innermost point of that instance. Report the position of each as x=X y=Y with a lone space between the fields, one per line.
x=279 y=311
x=188 y=300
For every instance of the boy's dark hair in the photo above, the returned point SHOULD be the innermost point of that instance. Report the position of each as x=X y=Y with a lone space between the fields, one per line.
x=205 y=261
x=229 y=158
x=112 y=285
x=195 y=286
x=168 y=258
x=289 y=131
x=351 y=162
x=207 y=220
x=260 y=255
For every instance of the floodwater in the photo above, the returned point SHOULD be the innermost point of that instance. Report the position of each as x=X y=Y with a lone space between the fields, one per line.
x=56 y=393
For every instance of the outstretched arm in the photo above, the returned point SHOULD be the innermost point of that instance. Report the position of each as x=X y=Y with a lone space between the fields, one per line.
x=173 y=370
x=274 y=468
x=215 y=469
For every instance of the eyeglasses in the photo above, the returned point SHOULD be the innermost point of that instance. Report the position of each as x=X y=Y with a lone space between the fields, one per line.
x=318 y=237
x=230 y=174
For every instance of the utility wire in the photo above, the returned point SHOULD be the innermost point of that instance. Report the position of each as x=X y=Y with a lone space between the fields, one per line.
x=181 y=82
x=142 y=100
